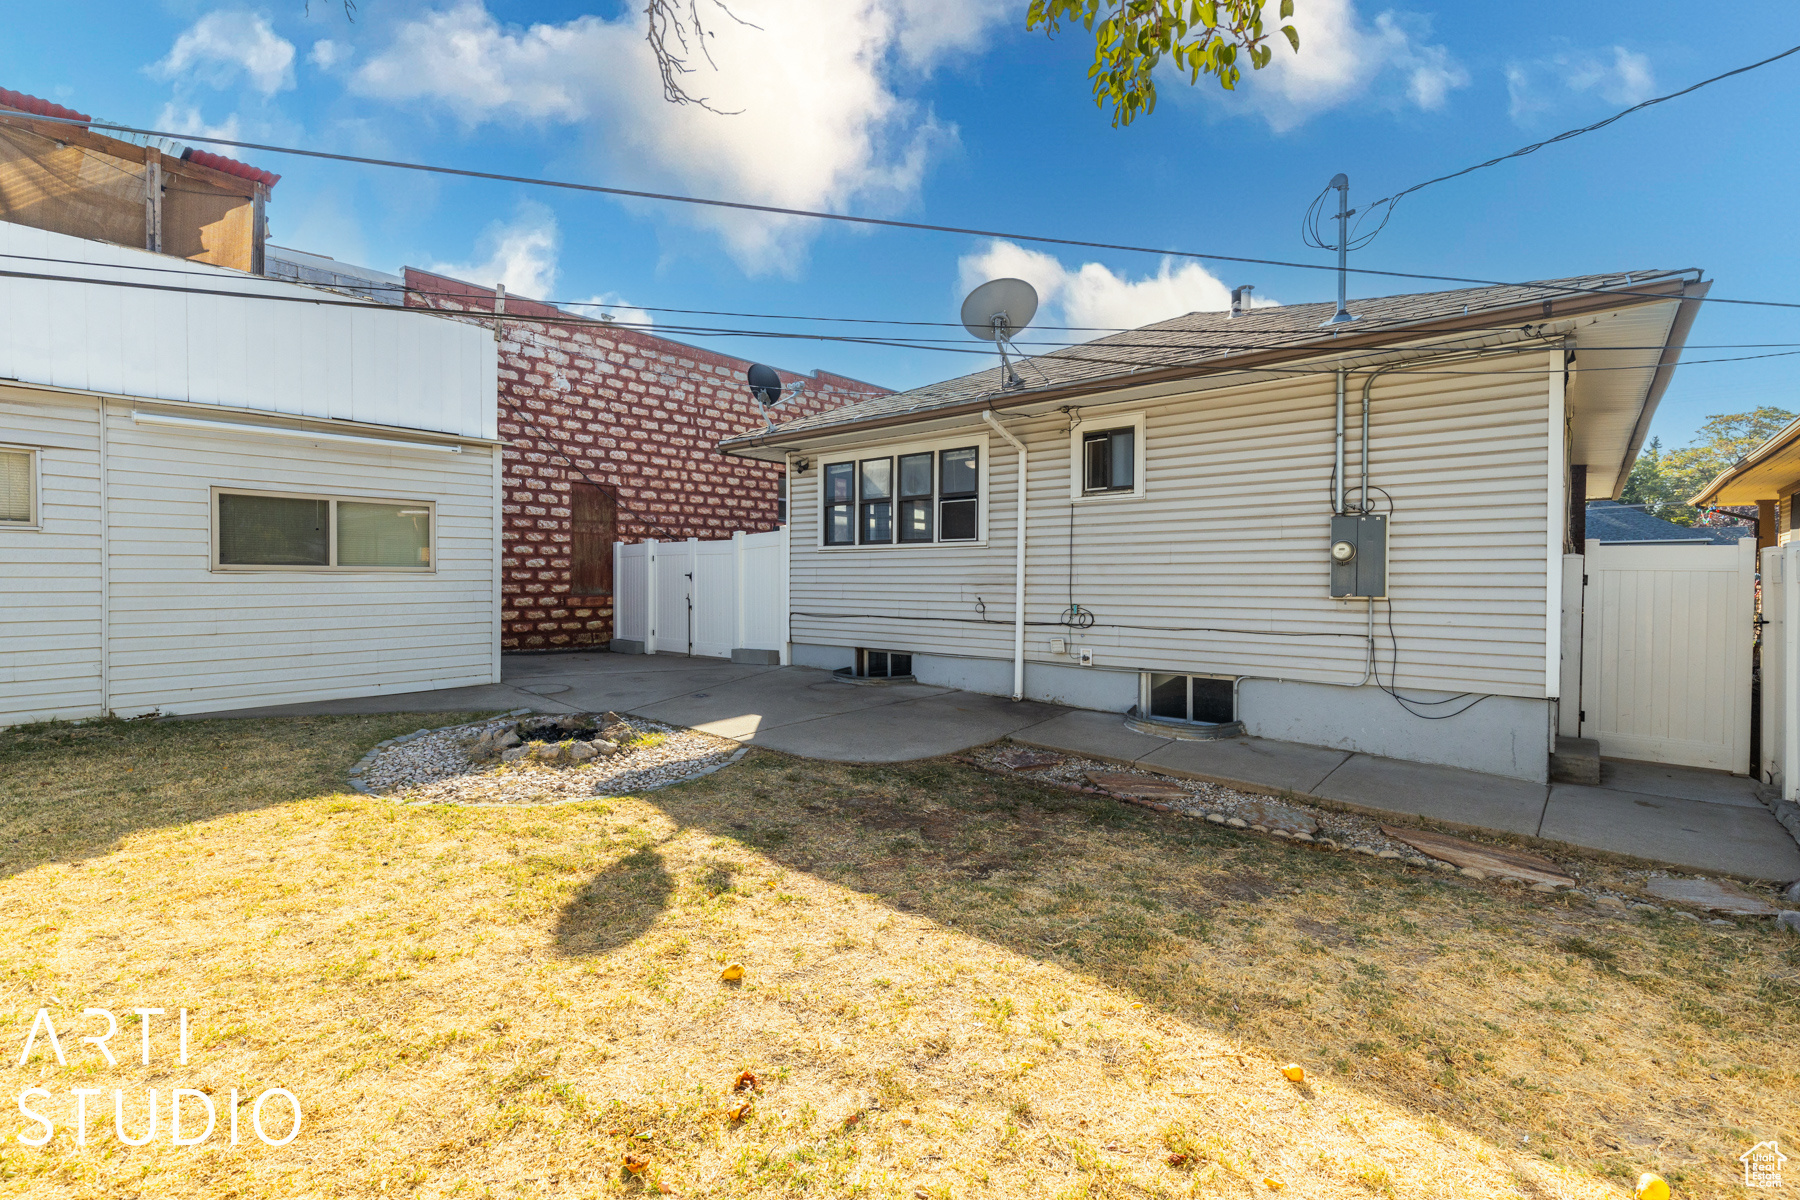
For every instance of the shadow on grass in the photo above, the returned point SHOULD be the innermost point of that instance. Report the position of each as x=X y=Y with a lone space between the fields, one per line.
x=617 y=906
x=70 y=792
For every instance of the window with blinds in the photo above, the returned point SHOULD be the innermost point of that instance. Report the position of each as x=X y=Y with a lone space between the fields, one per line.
x=18 y=487
x=593 y=516
x=275 y=531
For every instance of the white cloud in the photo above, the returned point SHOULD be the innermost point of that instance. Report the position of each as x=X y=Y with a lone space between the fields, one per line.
x=1543 y=85
x=521 y=254
x=326 y=54
x=1340 y=59
x=186 y=118
x=224 y=44
x=823 y=123
x=1092 y=297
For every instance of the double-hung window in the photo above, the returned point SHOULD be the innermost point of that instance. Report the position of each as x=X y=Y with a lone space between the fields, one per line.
x=263 y=531
x=913 y=498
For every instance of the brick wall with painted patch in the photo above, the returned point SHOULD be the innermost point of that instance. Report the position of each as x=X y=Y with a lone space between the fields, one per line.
x=613 y=426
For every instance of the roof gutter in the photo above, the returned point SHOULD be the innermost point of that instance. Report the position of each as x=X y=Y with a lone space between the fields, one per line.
x=1665 y=371
x=1775 y=445
x=1541 y=310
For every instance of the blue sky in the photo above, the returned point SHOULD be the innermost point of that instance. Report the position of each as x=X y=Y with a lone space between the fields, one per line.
x=948 y=111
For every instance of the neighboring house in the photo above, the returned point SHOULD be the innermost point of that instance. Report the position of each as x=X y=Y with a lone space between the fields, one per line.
x=612 y=434
x=215 y=497
x=1197 y=534
x=1769 y=478
x=1613 y=523
x=164 y=197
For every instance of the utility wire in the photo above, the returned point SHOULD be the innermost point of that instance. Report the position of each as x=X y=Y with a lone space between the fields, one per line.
x=1357 y=242
x=812 y=214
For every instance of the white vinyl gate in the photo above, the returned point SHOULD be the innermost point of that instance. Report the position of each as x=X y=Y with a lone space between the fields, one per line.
x=704 y=599
x=1667 y=636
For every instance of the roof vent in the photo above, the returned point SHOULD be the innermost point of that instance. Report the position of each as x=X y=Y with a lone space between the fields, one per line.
x=1240 y=299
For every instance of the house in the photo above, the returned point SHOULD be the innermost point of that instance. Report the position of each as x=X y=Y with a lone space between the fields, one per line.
x=1350 y=535
x=1613 y=523
x=1769 y=478
x=612 y=433
x=165 y=198
x=222 y=491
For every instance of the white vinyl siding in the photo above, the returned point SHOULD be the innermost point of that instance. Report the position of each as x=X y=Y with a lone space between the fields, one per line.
x=1233 y=534
x=50 y=574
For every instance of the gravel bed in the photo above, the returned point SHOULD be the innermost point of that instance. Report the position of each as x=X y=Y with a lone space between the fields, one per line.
x=433 y=768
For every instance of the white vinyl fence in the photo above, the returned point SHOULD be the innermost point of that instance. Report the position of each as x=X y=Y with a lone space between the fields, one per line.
x=725 y=599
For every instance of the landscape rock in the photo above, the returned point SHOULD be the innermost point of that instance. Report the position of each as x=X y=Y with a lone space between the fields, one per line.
x=1543 y=887
x=1711 y=894
x=1277 y=817
x=1030 y=760
x=1237 y=822
x=1490 y=860
x=582 y=751
x=1792 y=892
x=1472 y=872
x=1610 y=902
x=1387 y=854
x=1142 y=787
x=515 y=754
x=1216 y=818
x=1789 y=920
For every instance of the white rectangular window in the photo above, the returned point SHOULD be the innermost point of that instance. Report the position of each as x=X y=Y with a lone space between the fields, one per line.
x=263 y=531
x=18 y=487
x=911 y=498
x=1106 y=457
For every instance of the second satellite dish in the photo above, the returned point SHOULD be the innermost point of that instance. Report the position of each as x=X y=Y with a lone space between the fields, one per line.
x=999 y=309
x=765 y=385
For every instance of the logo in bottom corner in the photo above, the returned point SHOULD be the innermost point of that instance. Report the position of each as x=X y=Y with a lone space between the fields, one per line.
x=1762 y=1165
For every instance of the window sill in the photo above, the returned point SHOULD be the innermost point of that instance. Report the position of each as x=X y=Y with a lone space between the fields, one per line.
x=887 y=547
x=233 y=569
x=1103 y=497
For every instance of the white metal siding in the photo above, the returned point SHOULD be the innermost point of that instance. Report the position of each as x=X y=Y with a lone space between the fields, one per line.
x=1232 y=535
x=369 y=363
x=50 y=576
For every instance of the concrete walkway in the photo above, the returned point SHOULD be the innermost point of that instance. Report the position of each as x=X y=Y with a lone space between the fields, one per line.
x=1699 y=820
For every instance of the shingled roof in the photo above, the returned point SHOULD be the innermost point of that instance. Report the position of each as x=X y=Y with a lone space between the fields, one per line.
x=1205 y=341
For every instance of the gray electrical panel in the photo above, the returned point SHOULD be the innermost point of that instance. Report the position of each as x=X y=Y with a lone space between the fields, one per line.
x=1359 y=557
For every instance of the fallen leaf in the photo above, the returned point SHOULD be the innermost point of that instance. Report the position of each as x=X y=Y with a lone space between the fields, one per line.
x=732 y=973
x=1651 y=1186
x=739 y=1111
x=746 y=1080
x=1295 y=1072
x=1272 y=1183
x=1178 y=1160
x=636 y=1164
x=852 y=1119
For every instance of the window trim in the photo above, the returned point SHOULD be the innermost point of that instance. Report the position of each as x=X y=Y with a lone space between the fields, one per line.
x=331 y=550
x=856 y=455
x=1133 y=421
x=36 y=469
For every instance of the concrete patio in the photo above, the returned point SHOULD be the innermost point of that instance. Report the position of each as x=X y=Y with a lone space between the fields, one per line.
x=1698 y=820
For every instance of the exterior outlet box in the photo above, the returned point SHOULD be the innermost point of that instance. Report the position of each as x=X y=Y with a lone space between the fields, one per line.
x=1059 y=646
x=1087 y=657
x=1362 y=575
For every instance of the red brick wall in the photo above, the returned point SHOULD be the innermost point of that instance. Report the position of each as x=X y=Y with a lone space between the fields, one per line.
x=632 y=412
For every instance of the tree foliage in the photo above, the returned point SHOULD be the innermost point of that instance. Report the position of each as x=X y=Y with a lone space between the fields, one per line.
x=1132 y=37
x=1663 y=481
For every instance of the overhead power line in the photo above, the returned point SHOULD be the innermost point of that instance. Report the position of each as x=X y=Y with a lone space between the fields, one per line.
x=847 y=218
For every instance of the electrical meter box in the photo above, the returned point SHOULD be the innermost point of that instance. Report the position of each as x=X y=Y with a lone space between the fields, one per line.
x=1359 y=557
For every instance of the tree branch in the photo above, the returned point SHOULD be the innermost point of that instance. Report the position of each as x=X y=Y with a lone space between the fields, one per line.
x=670 y=25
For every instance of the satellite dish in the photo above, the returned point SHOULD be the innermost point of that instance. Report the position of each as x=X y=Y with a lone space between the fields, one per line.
x=998 y=309
x=765 y=384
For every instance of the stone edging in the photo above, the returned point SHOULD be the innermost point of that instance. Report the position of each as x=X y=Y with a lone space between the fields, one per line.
x=356 y=781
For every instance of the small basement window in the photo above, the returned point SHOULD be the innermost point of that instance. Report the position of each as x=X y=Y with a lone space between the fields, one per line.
x=18 y=488
x=883 y=664
x=1198 y=699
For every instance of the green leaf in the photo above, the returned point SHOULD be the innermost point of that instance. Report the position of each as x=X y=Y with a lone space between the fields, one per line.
x=1287 y=9
x=1293 y=37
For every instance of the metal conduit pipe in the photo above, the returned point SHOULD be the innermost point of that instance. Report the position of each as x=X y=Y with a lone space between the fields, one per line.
x=1337 y=471
x=1018 y=691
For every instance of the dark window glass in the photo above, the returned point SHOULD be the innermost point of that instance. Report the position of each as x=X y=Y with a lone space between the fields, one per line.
x=957 y=472
x=840 y=483
x=915 y=476
x=876 y=480
x=875 y=664
x=882 y=664
x=1212 y=701
x=839 y=529
x=957 y=520
x=274 y=531
x=1109 y=461
x=1168 y=696
x=781 y=500
x=915 y=520
x=899 y=664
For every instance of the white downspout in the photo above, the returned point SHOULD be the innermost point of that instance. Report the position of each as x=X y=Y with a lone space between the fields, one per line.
x=1337 y=462
x=1018 y=692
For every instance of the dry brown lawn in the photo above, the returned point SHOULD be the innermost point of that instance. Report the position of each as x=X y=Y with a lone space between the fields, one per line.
x=956 y=986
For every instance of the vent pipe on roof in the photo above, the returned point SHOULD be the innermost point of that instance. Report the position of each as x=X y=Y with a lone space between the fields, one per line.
x=1240 y=299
